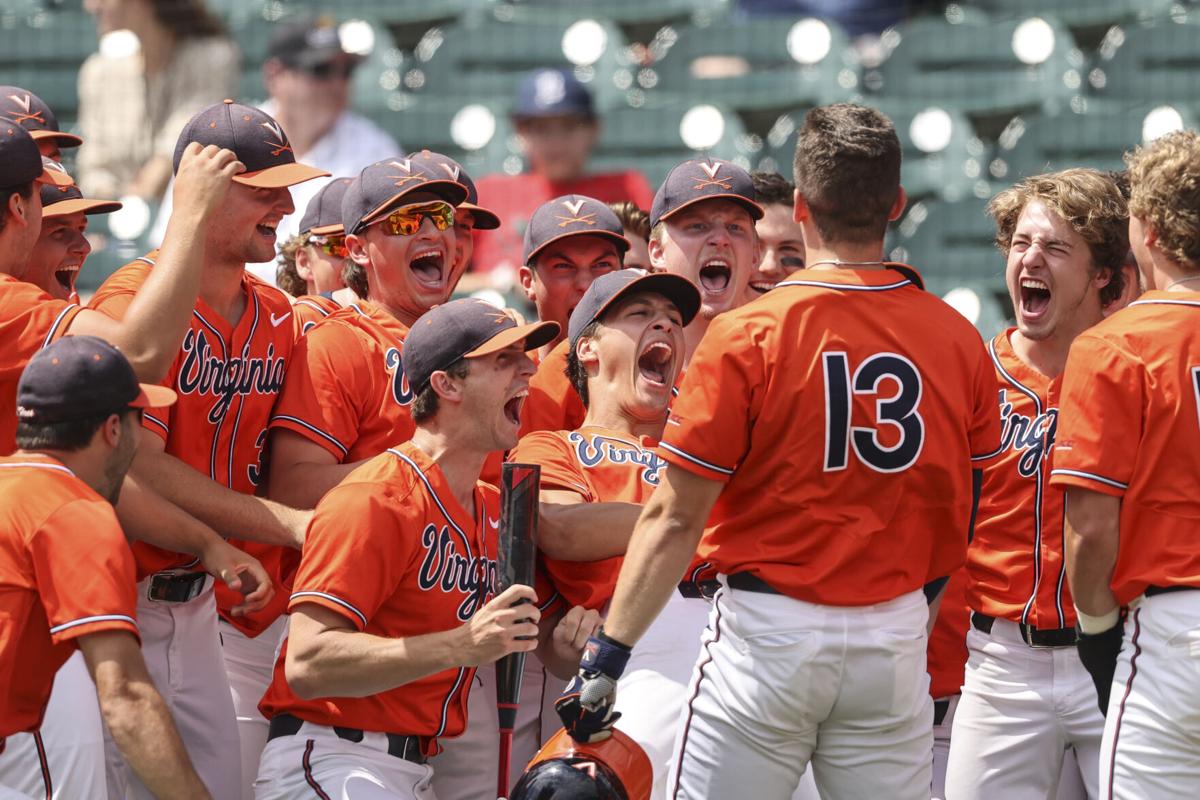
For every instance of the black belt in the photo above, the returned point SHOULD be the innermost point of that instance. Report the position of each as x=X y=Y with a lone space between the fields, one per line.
x=1054 y=637
x=699 y=590
x=176 y=587
x=399 y=745
x=749 y=582
x=1151 y=591
x=940 y=709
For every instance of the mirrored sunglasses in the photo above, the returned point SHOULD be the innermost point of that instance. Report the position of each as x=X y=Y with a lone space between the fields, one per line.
x=407 y=221
x=333 y=245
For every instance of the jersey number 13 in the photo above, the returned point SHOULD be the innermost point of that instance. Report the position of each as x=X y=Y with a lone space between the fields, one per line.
x=898 y=411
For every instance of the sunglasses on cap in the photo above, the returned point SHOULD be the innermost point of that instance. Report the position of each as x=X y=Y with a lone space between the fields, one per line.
x=332 y=245
x=331 y=69
x=408 y=220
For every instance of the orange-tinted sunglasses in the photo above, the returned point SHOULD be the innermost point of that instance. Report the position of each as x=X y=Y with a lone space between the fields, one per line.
x=333 y=245
x=407 y=221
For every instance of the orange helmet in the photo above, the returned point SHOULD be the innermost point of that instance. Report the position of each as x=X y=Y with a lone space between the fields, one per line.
x=615 y=769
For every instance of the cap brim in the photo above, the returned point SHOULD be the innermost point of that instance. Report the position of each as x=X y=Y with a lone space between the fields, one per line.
x=755 y=210
x=333 y=229
x=75 y=205
x=535 y=335
x=676 y=288
x=620 y=241
x=450 y=191
x=54 y=178
x=280 y=176
x=153 y=396
x=485 y=220
x=64 y=139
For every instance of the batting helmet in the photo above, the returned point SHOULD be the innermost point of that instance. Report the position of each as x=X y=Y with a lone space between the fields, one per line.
x=615 y=769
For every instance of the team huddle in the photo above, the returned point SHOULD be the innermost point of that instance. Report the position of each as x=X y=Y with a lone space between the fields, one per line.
x=801 y=531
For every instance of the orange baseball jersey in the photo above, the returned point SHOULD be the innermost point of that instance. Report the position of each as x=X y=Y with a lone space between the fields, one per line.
x=310 y=309
x=553 y=404
x=65 y=572
x=1129 y=426
x=947 y=651
x=1015 y=563
x=844 y=411
x=228 y=378
x=30 y=319
x=345 y=389
x=601 y=466
x=391 y=550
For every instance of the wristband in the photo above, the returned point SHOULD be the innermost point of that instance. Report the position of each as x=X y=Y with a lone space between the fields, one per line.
x=1090 y=626
x=605 y=655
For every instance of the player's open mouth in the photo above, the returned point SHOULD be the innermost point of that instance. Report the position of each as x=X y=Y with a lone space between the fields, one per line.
x=512 y=408
x=428 y=266
x=267 y=229
x=762 y=287
x=1035 y=297
x=654 y=364
x=66 y=275
x=715 y=276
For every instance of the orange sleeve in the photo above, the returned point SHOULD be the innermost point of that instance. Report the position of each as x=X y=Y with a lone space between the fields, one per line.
x=1099 y=418
x=560 y=470
x=708 y=431
x=359 y=544
x=85 y=571
x=553 y=403
x=328 y=380
x=985 y=420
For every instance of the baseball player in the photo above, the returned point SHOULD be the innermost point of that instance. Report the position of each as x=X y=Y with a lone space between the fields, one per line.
x=204 y=453
x=1127 y=458
x=781 y=237
x=1027 y=699
x=570 y=241
x=31 y=112
x=311 y=263
x=824 y=533
x=392 y=607
x=67 y=574
x=626 y=336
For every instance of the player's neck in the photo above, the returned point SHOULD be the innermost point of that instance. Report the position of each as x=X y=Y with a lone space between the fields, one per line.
x=843 y=255
x=403 y=317
x=1170 y=276
x=459 y=464
x=221 y=289
x=1047 y=356
x=605 y=411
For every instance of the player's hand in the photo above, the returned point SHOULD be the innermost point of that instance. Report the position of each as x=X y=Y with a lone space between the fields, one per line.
x=203 y=179
x=586 y=705
x=573 y=631
x=507 y=624
x=241 y=572
x=1099 y=652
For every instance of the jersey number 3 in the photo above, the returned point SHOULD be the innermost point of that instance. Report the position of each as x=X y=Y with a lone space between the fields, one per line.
x=898 y=411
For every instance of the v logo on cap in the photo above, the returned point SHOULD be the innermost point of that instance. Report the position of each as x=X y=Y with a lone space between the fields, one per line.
x=452 y=170
x=280 y=145
x=406 y=166
x=711 y=171
x=574 y=206
x=24 y=101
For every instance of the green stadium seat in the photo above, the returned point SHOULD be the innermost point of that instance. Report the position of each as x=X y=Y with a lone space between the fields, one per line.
x=489 y=58
x=1044 y=144
x=57 y=84
x=760 y=65
x=991 y=67
x=1080 y=13
x=948 y=241
x=624 y=12
x=476 y=134
x=1160 y=60
x=63 y=38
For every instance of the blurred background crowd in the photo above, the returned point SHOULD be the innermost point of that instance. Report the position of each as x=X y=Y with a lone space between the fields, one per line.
x=539 y=98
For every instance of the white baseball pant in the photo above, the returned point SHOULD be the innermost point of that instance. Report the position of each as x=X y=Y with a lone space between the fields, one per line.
x=250 y=663
x=781 y=683
x=941 y=746
x=466 y=768
x=183 y=656
x=65 y=758
x=316 y=763
x=1021 y=709
x=1151 y=746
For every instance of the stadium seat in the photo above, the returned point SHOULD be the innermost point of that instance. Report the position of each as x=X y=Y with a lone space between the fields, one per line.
x=1080 y=13
x=1159 y=60
x=52 y=38
x=476 y=134
x=948 y=241
x=983 y=67
x=624 y=12
x=759 y=65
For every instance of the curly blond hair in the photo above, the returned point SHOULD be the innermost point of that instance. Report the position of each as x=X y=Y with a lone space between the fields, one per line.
x=286 y=276
x=1088 y=200
x=1164 y=185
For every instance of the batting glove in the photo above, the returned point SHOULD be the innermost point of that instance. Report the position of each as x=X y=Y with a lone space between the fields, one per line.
x=1099 y=652
x=586 y=705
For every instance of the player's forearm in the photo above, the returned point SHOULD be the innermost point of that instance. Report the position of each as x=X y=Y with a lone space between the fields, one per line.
x=230 y=513
x=586 y=531
x=1093 y=534
x=342 y=663
x=302 y=484
x=147 y=517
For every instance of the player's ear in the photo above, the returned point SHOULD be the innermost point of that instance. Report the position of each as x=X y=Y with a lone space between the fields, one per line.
x=445 y=387
x=111 y=431
x=899 y=204
x=303 y=268
x=525 y=275
x=586 y=351
x=657 y=254
x=800 y=210
x=356 y=246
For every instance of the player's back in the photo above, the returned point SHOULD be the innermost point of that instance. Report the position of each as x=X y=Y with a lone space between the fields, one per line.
x=843 y=408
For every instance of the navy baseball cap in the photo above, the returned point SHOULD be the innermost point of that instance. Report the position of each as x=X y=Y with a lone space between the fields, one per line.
x=58 y=201
x=696 y=180
x=380 y=187
x=323 y=216
x=31 y=112
x=79 y=377
x=551 y=93
x=308 y=42
x=21 y=162
x=257 y=140
x=466 y=328
x=612 y=287
x=572 y=215
x=485 y=219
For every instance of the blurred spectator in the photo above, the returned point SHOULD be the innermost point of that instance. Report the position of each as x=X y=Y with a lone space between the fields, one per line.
x=855 y=16
x=307 y=76
x=133 y=102
x=781 y=236
x=636 y=223
x=558 y=128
